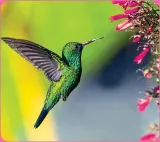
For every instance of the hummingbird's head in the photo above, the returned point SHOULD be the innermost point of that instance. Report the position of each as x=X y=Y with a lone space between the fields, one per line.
x=72 y=51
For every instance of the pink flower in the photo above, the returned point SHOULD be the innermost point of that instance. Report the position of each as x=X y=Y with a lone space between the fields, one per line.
x=130 y=11
x=117 y=17
x=124 y=25
x=157 y=2
x=136 y=38
x=151 y=137
x=143 y=103
x=140 y=57
x=148 y=75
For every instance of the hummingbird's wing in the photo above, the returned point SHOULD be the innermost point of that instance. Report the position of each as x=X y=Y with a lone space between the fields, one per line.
x=40 y=57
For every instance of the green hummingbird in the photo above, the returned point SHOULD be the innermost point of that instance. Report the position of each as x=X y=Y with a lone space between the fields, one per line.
x=63 y=72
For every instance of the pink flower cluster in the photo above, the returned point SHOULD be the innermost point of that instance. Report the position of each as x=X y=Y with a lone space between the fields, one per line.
x=143 y=19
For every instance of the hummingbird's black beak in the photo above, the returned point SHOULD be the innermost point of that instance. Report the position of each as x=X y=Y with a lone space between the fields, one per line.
x=93 y=40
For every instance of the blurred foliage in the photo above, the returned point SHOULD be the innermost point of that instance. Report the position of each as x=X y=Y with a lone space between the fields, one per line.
x=52 y=25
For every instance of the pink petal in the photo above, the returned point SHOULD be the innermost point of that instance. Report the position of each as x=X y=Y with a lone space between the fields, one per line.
x=130 y=11
x=143 y=103
x=124 y=25
x=150 y=137
x=133 y=4
x=126 y=3
x=157 y=2
x=141 y=108
x=148 y=75
x=140 y=57
x=137 y=38
x=120 y=2
x=117 y=17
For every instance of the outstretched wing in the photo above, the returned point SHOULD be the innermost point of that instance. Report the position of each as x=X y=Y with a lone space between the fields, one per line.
x=40 y=57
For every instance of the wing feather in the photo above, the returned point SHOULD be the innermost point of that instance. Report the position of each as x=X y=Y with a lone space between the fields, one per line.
x=42 y=58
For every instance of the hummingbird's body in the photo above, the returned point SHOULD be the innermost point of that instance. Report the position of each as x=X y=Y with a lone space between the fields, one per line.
x=69 y=80
x=63 y=72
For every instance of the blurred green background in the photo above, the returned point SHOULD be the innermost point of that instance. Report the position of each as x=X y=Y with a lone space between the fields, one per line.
x=52 y=25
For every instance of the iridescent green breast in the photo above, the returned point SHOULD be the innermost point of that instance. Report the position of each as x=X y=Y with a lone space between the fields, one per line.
x=70 y=79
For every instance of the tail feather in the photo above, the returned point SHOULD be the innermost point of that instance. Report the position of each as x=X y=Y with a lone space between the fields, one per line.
x=41 y=117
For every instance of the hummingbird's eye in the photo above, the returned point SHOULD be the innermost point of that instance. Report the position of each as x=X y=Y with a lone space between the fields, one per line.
x=78 y=46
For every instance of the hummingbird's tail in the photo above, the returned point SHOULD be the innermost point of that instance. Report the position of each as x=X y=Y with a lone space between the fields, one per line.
x=41 y=117
x=51 y=100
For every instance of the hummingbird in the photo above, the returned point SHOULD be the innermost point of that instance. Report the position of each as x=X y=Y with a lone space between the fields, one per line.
x=63 y=72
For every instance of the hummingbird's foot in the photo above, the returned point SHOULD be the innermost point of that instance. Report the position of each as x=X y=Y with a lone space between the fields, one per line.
x=64 y=98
